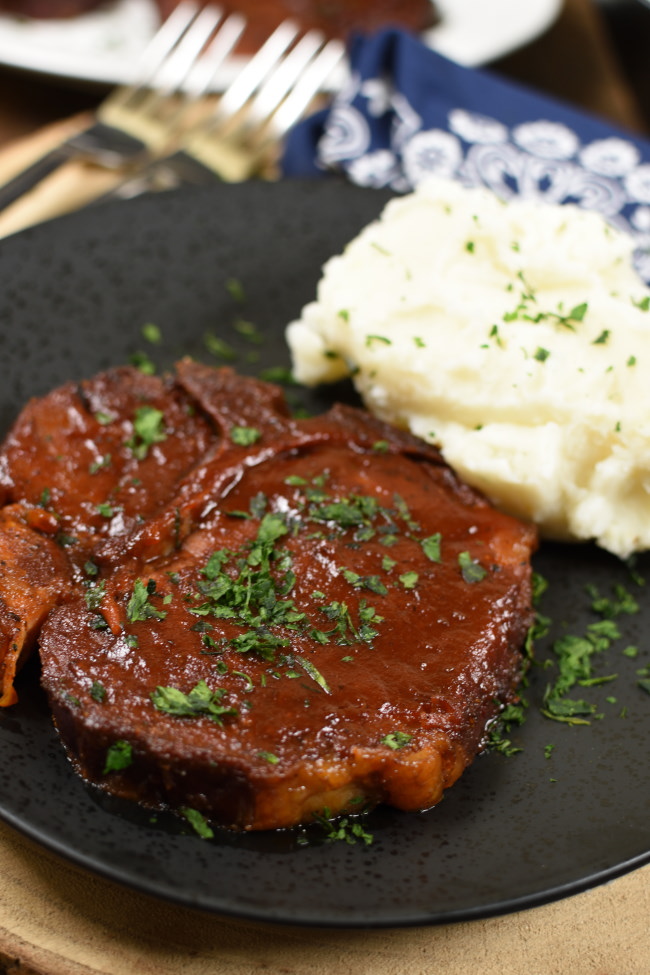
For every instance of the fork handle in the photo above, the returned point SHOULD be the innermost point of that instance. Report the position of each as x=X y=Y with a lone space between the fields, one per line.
x=30 y=177
x=187 y=169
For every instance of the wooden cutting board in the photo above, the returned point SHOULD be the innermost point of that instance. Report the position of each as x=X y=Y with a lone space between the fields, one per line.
x=57 y=920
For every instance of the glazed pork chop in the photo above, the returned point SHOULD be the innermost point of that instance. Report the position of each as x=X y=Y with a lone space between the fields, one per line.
x=321 y=617
x=85 y=463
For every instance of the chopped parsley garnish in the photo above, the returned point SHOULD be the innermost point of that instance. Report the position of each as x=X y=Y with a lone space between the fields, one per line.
x=431 y=546
x=152 y=333
x=409 y=579
x=65 y=541
x=244 y=436
x=268 y=757
x=313 y=672
x=148 y=429
x=471 y=569
x=235 y=289
x=249 y=331
x=527 y=313
x=199 y=702
x=119 y=756
x=396 y=739
x=98 y=465
x=143 y=363
x=345 y=830
x=575 y=656
x=278 y=374
x=198 y=822
x=622 y=603
x=94 y=594
x=98 y=692
x=218 y=347
x=139 y=608
x=372 y=582
x=498 y=740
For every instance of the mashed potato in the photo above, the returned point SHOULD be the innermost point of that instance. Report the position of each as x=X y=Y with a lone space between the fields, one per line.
x=516 y=337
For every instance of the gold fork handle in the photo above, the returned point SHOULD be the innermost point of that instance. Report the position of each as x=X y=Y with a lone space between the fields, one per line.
x=33 y=175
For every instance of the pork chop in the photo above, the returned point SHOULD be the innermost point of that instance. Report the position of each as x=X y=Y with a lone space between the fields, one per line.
x=321 y=618
x=86 y=463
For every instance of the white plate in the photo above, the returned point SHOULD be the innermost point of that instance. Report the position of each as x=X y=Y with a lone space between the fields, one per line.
x=102 y=46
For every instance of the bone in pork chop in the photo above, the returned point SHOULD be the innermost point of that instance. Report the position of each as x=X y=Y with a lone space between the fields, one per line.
x=322 y=617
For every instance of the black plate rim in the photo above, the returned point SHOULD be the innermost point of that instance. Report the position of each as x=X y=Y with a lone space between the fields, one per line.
x=226 y=910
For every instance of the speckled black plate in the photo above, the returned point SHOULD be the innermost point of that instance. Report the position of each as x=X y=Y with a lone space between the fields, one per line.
x=514 y=832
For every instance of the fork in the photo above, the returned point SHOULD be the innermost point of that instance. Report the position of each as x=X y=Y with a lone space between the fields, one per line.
x=237 y=140
x=137 y=119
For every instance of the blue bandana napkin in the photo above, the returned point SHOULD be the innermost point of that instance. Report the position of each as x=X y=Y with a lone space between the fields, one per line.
x=406 y=113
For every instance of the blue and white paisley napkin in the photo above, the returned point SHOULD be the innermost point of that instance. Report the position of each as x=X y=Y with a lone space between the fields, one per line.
x=407 y=113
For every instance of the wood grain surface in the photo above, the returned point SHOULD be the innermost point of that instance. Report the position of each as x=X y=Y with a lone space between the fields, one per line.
x=56 y=920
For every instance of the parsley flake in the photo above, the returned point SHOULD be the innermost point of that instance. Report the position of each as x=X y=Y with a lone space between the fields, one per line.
x=148 y=429
x=200 y=701
x=235 y=289
x=396 y=739
x=152 y=333
x=602 y=338
x=269 y=757
x=198 y=822
x=409 y=579
x=119 y=756
x=244 y=436
x=471 y=569
x=431 y=546
x=142 y=363
x=98 y=692
x=218 y=347
x=139 y=609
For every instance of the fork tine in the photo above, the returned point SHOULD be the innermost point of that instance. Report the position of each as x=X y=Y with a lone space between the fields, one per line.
x=162 y=43
x=199 y=81
x=257 y=69
x=178 y=65
x=309 y=84
x=154 y=111
x=236 y=144
x=283 y=78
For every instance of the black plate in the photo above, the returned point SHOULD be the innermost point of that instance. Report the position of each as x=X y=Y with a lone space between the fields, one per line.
x=514 y=832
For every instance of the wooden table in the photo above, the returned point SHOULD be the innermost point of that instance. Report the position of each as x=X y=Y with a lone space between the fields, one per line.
x=56 y=920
